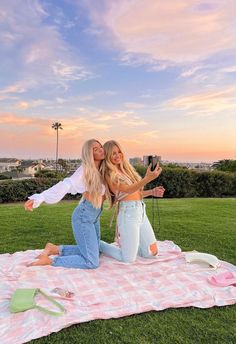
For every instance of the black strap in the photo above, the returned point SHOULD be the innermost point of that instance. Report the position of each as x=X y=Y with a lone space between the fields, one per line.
x=156 y=215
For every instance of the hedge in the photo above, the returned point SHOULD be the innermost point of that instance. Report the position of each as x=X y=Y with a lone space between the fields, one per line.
x=189 y=183
x=16 y=191
x=4 y=177
x=176 y=181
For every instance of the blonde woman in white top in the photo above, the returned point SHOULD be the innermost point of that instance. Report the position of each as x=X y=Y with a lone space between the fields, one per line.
x=134 y=231
x=85 y=218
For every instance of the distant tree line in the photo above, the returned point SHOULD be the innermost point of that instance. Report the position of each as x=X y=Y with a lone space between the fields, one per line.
x=3 y=176
x=226 y=165
x=178 y=182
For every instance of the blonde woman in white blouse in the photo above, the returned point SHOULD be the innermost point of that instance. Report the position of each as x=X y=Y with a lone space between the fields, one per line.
x=85 y=218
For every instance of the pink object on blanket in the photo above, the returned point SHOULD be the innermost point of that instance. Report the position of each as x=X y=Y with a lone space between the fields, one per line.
x=113 y=290
x=223 y=279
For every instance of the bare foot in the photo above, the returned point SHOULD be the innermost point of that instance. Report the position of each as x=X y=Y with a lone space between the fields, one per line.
x=50 y=249
x=45 y=260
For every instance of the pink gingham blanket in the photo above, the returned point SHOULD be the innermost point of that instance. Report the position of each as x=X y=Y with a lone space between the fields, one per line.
x=113 y=290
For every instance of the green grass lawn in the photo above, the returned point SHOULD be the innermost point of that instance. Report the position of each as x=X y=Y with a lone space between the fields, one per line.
x=206 y=225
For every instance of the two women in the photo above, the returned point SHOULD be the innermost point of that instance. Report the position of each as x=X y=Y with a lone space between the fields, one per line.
x=85 y=219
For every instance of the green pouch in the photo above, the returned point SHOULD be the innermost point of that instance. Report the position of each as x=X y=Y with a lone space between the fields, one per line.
x=23 y=300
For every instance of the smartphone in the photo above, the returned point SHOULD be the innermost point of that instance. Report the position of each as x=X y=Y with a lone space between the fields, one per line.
x=153 y=161
x=63 y=292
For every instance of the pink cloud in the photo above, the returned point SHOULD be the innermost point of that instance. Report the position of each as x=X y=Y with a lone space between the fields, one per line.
x=12 y=119
x=174 y=31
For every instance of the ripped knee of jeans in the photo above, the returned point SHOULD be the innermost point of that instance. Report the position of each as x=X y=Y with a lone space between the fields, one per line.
x=153 y=250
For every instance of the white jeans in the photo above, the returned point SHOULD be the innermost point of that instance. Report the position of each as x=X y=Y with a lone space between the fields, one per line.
x=135 y=233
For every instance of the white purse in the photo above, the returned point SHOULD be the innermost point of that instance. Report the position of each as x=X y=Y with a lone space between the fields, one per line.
x=202 y=259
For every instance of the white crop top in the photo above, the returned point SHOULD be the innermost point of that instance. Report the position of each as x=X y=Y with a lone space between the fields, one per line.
x=73 y=185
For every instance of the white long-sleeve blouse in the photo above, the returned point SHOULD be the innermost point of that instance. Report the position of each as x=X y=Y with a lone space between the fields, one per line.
x=73 y=185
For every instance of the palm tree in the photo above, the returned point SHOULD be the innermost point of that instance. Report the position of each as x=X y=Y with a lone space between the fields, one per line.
x=57 y=126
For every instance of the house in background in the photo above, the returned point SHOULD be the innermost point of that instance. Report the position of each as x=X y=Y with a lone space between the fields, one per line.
x=136 y=161
x=146 y=162
x=8 y=164
x=30 y=167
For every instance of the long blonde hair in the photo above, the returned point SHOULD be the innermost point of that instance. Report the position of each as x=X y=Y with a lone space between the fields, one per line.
x=92 y=176
x=108 y=169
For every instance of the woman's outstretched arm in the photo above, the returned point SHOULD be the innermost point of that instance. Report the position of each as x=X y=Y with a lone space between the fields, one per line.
x=129 y=189
x=58 y=191
x=156 y=192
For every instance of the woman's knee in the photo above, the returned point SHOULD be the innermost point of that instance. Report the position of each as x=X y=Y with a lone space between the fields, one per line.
x=153 y=249
x=128 y=258
x=129 y=252
x=93 y=263
x=149 y=251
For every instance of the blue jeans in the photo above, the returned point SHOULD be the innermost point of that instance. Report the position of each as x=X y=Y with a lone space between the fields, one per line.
x=135 y=233
x=86 y=229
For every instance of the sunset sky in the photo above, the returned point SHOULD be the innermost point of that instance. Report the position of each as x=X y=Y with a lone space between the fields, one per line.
x=158 y=76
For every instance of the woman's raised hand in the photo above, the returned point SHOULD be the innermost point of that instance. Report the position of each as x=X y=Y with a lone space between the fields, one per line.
x=158 y=191
x=151 y=175
x=29 y=205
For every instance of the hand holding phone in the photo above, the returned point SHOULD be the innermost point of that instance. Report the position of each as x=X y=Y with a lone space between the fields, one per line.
x=153 y=161
x=151 y=175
